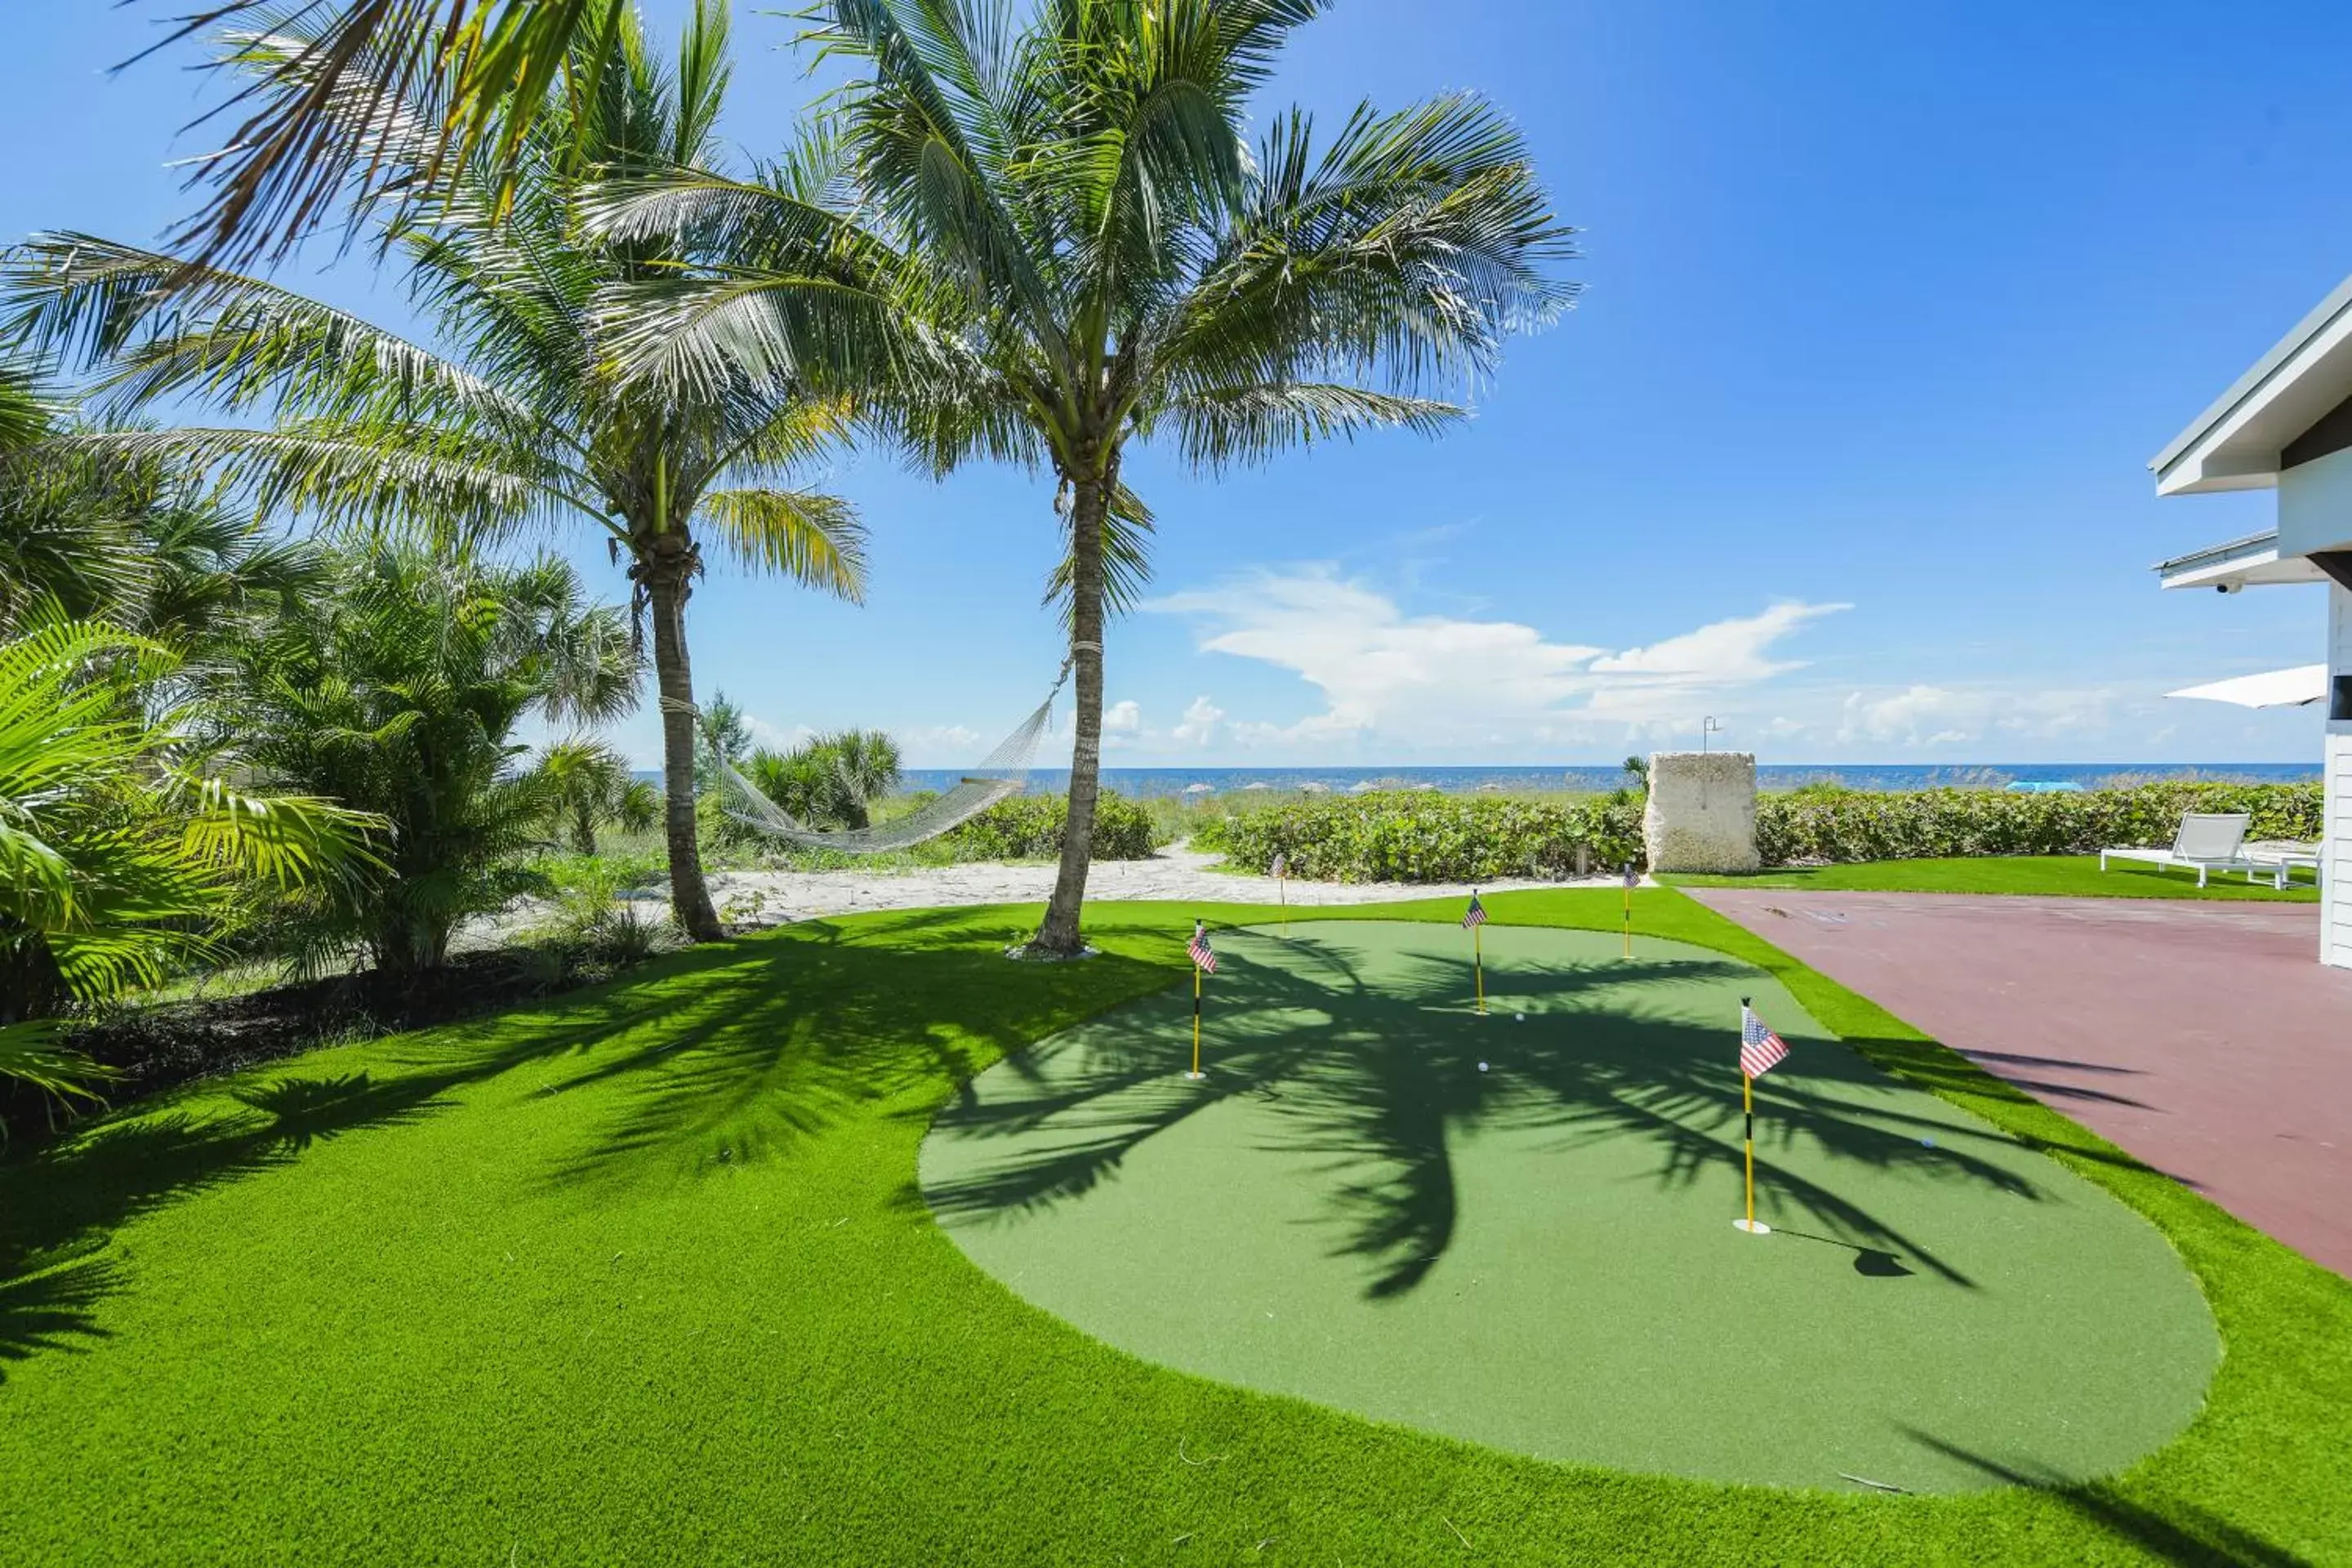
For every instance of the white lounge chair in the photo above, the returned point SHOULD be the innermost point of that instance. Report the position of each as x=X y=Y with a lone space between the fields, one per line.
x=2207 y=840
x=2280 y=856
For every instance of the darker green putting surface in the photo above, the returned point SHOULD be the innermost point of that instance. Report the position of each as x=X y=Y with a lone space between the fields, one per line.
x=1537 y=1254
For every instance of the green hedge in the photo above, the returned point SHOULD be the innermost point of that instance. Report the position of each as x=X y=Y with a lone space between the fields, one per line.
x=1424 y=838
x=1823 y=824
x=1029 y=828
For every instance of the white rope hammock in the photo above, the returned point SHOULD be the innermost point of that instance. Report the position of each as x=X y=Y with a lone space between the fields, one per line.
x=1004 y=772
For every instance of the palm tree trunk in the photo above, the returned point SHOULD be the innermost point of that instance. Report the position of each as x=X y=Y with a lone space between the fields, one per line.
x=666 y=590
x=1060 y=937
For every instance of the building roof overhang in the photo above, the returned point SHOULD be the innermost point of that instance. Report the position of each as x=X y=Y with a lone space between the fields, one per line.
x=2249 y=563
x=2235 y=444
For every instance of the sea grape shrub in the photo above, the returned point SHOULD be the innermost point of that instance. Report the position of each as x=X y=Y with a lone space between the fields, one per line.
x=1819 y=826
x=1029 y=828
x=1417 y=836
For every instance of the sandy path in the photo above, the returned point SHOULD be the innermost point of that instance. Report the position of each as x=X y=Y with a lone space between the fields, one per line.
x=1176 y=873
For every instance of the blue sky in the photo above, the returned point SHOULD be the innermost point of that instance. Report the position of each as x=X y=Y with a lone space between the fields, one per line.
x=1885 y=308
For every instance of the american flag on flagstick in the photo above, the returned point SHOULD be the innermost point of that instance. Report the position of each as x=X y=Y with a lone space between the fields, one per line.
x=1633 y=878
x=1476 y=915
x=1760 y=1050
x=1202 y=954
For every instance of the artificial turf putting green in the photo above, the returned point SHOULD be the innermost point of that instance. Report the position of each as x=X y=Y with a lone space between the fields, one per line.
x=1536 y=1253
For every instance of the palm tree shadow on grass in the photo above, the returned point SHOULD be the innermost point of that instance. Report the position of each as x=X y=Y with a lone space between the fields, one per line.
x=1376 y=1078
x=2171 y=1530
x=60 y=1206
x=843 y=1019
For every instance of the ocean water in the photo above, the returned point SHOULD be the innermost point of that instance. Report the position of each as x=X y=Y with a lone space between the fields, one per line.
x=1147 y=782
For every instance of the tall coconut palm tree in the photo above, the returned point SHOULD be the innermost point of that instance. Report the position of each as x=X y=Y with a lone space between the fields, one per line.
x=1064 y=245
x=514 y=420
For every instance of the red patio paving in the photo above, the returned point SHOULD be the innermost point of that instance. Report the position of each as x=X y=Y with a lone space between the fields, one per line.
x=2206 y=1039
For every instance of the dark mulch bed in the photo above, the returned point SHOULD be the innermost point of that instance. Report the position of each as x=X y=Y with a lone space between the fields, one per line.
x=159 y=1046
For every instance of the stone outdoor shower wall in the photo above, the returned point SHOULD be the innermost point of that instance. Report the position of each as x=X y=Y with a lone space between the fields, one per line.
x=1702 y=812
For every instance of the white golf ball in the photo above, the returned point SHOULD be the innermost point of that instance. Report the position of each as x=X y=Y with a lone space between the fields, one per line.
x=1518 y=1017
x=1482 y=1067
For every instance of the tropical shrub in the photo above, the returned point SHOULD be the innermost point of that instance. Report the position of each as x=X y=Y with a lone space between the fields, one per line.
x=1829 y=824
x=1423 y=837
x=398 y=691
x=1030 y=827
x=139 y=542
x=590 y=786
x=832 y=780
x=121 y=857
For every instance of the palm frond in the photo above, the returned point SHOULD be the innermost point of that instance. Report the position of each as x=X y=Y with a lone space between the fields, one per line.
x=1220 y=426
x=1127 y=528
x=814 y=539
x=376 y=477
x=334 y=121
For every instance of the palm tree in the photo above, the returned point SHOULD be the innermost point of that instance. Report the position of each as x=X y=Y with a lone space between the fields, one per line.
x=516 y=420
x=590 y=786
x=1064 y=245
x=140 y=544
x=398 y=690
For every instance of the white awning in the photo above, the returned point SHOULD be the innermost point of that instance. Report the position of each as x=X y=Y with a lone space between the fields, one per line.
x=2249 y=563
x=2296 y=687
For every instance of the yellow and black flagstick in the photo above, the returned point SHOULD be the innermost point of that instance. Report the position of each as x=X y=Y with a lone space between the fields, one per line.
x=1747 y=1106
x=1629 y=909
x=1478 y=964
x=1196 y=1022
x=1282 y=888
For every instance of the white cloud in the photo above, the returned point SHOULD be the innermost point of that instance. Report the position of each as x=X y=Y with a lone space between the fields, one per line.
x=933 y=737
x=1122 y=719
x=1198 y=727
x=1930 y=716
x=1427 y=680
x=774 y=738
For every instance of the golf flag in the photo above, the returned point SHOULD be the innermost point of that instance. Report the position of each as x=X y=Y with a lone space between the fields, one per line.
x=1280 y=869
x=1280 y=872
x=1203 y=955
x=1760 y=1050
x=1204 y=961
x=1633 y=878
x=1476 y=915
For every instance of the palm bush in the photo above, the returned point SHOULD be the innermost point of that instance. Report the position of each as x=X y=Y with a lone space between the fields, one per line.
x=139 y=542
x=123 y=856
x=592 y=786
x=398 y=690
x=830 y=782
x=1062 y=243
x=513 y=420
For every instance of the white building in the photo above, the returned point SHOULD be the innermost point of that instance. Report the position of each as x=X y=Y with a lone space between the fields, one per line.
x=2286 y=424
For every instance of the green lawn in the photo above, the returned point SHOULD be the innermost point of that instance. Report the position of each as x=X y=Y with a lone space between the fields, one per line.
x=645 y=1276
x=2050 y=875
